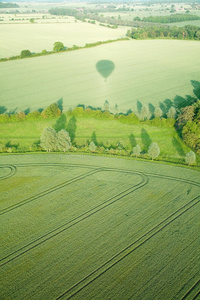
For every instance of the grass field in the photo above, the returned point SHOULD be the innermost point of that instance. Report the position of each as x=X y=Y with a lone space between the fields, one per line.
x=44 y=33
x=97 y=228
x=149 y=71
x=108 y=132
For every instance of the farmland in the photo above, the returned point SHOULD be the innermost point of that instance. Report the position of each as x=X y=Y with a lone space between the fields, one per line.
x=45 y=32
x=149 y=71
x=98 y=228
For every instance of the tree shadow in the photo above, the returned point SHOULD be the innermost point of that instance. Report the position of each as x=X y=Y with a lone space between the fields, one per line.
x=168 y=104
x=94 y=138
x=40 y=109
x=132 y=140
x=12 y=112
x=9 y=145
x=163 y=108
x=196 y=86
x=139 y=106
x=60 y=104
x=151 y=109
x=3 y=109
x=81 y=105
x=146 y=140
x=61 y=123
x=178 y=146
x=27 y=111
x=71 y=128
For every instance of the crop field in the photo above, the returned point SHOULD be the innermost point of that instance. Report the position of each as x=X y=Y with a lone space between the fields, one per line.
x=148 y=71
x=44 y=33
x=86 y=227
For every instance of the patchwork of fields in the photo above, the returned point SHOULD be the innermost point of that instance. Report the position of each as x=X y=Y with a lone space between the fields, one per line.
x=87 y=227
x=149 y=71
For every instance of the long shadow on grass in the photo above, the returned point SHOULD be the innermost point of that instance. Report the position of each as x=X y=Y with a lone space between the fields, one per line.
x=71 y=128
x=60 y=104
x=61 y=123
x=132 y=140
x=3 y=109
x=146 y=140
x=94 y=138
x=139 y=106
x=178 y=146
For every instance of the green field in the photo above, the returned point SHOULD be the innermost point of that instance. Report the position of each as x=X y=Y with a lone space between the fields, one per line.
x=23 y=135
x=148 y=71
x=44 y=33
x=97 y=228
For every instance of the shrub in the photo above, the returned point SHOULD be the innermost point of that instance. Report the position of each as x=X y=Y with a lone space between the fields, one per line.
x=58 y=46
x=25 y=53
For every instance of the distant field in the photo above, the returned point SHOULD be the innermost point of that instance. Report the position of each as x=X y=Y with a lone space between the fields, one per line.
x=148 y=71
x=44 y=33
x=99 y=228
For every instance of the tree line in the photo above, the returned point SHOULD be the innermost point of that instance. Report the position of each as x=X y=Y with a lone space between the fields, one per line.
x=188 y=32
x=170 y=19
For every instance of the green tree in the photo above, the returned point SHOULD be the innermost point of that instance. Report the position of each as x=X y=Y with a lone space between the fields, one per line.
x=136 y=150
x=48 y=139
x=158 y=112
x=58 y=46
x=25 y=53
x=31 y=20
x=154 y=150
x=63 y=140
x=51 y=111
x=190 y=158
x=171 y=113
x=144 y=112
x=92 y=147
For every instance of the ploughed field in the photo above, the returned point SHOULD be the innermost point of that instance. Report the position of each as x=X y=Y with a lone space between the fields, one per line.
x=87 y=227
x=149 y=71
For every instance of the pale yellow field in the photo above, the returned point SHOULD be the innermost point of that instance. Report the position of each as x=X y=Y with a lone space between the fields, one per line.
x=42 y=35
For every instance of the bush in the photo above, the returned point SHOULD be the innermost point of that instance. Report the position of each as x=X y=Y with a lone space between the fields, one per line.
x=58 y=46
x=51 y=111
x=25 y=53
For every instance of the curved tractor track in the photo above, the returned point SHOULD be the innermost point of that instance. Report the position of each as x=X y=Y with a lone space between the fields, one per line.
x=115 y=259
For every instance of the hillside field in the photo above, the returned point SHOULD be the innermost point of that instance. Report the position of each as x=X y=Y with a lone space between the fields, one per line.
x=85 y=227
x=149 y=71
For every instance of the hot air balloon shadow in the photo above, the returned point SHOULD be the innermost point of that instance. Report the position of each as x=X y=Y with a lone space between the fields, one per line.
x=105 y=68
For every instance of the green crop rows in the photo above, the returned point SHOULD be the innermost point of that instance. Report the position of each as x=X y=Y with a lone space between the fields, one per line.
x=97 y=228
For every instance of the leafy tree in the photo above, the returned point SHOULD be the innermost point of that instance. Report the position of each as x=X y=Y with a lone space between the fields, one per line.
x=144 y=112
x=158 y=112
x=63 y=140
x=58 y=46
x=136 y=150
x=187 y=114
x=48 y=139
x=154 y=150
x=92 y=147
x=171 y=113
x=51 y=111
x=25 y=53
x=190 y=158
x=32 y=20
